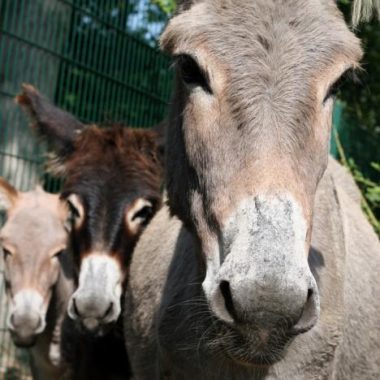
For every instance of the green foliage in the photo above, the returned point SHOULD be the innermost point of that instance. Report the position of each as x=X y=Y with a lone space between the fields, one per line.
x=360 y=132
x=370 y=190
x=168 y=6
x=362 y=98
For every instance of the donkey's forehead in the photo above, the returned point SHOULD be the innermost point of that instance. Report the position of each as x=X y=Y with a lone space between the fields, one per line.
x=37 y=203
x=308 y=32
x=34 y=221
x=37 y=217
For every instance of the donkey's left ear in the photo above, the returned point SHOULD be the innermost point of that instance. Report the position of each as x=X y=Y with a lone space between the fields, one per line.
x=183 y=5
x=59 y=128
x=8 y=195
x=364 y=10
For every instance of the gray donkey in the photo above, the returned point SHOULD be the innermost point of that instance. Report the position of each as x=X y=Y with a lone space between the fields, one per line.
x=38 y=275
x=263 y=264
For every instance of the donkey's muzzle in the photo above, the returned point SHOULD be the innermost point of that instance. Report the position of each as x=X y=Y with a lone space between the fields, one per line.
x=25 y=327
x=96 y=303
x=92 y=313
x=27 y=317
x=264 y=280
x=293 y=313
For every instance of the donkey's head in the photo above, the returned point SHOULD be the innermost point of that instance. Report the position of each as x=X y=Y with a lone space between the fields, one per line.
x=112 y=185
x=247 y=144
x=32 y=240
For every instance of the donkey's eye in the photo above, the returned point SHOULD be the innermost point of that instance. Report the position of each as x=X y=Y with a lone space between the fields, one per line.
x=6 y=253
x=59 y=253
x=337 y=85
x=191 y=73
x=74 y=212
x=143 y=215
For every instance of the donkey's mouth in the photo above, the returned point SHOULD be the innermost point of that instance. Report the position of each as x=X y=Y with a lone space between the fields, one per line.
x=262 y=362
x=93 y=328
x=24 y=342
x=252 y=347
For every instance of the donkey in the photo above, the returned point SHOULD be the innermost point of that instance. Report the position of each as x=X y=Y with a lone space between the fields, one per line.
x=112 y=186
x=38 y=274
x=262 y=265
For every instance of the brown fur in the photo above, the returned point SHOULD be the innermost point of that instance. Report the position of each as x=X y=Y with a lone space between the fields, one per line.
x=111 y=175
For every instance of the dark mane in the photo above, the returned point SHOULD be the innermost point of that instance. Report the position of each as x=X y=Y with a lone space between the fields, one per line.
x=103 y=154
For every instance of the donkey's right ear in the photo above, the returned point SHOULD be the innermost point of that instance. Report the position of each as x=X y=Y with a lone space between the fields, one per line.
x=8 y=195
x=59 y=128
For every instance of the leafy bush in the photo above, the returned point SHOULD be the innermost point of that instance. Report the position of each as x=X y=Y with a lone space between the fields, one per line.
x=361 y=131
x=370 y=190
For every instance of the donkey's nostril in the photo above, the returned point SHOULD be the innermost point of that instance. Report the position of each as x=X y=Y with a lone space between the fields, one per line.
x=11 y=323
x=226 y=293
x=40 y=325
x=75 y=308
x=309 y=314
x=108 y=311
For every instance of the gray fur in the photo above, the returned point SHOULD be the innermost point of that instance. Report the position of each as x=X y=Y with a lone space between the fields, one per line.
x=227 y=293
x=255 y=256
x=170 y=331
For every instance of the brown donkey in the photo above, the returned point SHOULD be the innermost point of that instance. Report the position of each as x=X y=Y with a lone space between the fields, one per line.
x=38 y=274
x=260 y=268
x=112 y=185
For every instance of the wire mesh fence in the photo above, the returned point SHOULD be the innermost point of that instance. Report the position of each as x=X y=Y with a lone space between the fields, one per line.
x=95 y=58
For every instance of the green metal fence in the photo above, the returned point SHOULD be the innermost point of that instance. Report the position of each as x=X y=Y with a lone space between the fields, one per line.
x=95 y=58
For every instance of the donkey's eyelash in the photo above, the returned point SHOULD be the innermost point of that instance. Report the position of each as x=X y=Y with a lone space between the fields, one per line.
x=349 y=75
x=73 y=210
x=190 y=71
x=59 y=253
x=145 y=214
x=6 y=252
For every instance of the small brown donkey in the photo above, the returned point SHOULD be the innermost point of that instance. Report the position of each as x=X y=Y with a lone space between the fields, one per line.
x=112 y=185
x=38 y=274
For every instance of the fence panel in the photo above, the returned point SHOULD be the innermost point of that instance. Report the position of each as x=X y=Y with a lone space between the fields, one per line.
x=95 y=58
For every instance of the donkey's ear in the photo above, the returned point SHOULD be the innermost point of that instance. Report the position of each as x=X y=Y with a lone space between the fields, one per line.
x=8 y=195
x=57 y=127
x=183 y=5
x=364 y=10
